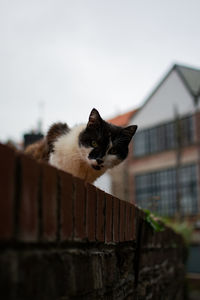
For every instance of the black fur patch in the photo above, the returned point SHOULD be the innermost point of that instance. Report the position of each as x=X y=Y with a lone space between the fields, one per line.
x=54 y=132
x=101 y=132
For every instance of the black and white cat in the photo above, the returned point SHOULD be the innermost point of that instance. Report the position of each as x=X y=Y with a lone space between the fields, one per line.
x=86 y=151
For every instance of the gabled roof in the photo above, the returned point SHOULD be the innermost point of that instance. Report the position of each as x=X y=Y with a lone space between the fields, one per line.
x=123 y=119
x=190 y=77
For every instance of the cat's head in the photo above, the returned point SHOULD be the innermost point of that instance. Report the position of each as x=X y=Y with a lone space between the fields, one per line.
x=102 y=144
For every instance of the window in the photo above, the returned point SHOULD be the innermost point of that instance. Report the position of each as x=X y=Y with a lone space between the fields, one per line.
x=140 y=143
x=187 y=131
x=170 y=136
x=157 y=191
x=193 y=261
x=164 y=137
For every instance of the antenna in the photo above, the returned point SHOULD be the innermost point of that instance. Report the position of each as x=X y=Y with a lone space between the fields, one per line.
x=41 y=105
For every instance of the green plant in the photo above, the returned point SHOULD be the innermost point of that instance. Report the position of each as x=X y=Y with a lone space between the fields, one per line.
x=183 y=228
x=153 y=221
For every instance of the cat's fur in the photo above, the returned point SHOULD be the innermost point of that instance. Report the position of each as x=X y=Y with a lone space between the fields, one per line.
x=86 y=151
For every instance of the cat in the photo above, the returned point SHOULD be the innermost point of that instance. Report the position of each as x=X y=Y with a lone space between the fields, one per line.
x=88 y=150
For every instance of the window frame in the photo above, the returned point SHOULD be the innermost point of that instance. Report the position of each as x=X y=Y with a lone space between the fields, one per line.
x=165 y=137
x=158 y=188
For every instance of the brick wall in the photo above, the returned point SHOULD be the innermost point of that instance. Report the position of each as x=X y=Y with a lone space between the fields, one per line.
x=63 y=239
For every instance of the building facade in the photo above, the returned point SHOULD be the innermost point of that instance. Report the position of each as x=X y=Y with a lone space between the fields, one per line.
x=164 y=160
x=162 y=172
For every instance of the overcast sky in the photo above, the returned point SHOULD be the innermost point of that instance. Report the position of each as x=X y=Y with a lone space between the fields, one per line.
x=59 y=59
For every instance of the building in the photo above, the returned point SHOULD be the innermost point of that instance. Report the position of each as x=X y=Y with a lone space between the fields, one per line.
x=123 y=119
x=164 y=162
x=32 y=137
x=162 y=172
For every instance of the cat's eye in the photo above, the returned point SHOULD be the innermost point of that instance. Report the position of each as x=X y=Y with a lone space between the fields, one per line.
x=94 y=144
x=112 y=151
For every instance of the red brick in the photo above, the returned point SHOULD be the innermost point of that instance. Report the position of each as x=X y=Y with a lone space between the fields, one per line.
x=115 y=219
x=79 y=209
x=132 y=222
x=28 y=214
x=7 y=188
x=49 y=202
x=66 y=205
x=108 y=229
x=137 y=221
x=129 y=228
x=127 y=222
x=91 y=207
x=122 y=221
x=100 y=224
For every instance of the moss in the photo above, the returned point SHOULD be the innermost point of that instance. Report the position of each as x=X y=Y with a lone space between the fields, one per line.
x=183 y=228
x=153 y=221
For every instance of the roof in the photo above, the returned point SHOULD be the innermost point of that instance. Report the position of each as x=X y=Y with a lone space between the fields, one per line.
x=123 y=119
x=190 y=77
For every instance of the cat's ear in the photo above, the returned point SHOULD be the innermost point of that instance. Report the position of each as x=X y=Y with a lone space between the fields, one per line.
x=130 y=131
x=94 y=118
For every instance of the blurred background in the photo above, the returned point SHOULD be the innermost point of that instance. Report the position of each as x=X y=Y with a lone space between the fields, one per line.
x=61 y=58
x=137 y=62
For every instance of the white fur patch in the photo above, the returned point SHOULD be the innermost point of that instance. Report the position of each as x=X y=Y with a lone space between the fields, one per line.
x=66 y=150
x=72 y=158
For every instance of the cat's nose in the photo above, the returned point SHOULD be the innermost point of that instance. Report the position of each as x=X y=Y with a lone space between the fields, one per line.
x=99 y=161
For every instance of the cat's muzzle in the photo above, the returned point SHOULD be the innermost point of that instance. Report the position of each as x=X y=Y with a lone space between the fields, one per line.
x=98 y=165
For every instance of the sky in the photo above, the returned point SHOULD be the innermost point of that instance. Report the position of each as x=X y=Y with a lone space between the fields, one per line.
x=61 y=58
